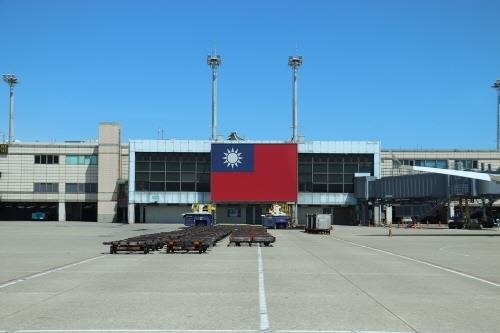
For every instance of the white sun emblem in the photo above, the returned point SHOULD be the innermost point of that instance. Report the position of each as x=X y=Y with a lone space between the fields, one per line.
x=232 y=158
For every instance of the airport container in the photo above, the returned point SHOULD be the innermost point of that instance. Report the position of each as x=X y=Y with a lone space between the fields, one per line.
x=318 y=223
x=198 y=220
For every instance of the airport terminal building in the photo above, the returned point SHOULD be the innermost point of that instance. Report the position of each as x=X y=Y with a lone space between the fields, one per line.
x=155 y=181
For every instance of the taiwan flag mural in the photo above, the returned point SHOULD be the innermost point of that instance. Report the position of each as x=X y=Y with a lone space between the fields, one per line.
x=246 y=172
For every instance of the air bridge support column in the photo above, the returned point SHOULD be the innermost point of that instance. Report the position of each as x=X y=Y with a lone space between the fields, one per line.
x=388 y=214
x=131 y=213
x=62 y=212
x=376 y=215
x=451 y=211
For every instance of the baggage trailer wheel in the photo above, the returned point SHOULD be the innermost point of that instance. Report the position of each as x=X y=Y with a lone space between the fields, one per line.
x=112 y=250
x=146 y=250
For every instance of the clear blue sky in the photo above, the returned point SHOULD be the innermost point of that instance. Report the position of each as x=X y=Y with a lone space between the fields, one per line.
x=407 y=73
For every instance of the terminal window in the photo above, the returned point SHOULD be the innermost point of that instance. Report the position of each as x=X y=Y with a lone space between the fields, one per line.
x=332 y=173
x=46 y=159
x=81 y=188
x=186 y=172
x=81 y=159
x=46 y=187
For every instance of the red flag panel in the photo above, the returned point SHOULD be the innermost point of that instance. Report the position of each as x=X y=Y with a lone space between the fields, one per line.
x=273 y=178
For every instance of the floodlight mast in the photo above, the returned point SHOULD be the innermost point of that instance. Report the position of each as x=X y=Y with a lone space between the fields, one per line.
x=214 y=61
x=496 y=86
x=11 y=80
x=295 y=62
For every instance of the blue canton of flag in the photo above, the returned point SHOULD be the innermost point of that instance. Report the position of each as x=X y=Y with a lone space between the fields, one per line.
x=232 y=157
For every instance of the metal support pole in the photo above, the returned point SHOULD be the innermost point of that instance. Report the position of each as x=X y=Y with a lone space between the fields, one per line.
x=294 y=105
x=11 y=114
x=214 y=61
x=11 y=80
x=214 y=104
x=498 y=118
x=295 y=62
x=496 y=86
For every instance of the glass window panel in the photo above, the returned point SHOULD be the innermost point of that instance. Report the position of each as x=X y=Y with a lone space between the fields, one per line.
x=320 y=167
x=348 y=179
x=350 y=167
x=419 y=163
x=173 y=166
x=81 y=188
x=157 y=157
x=37 y=159
x=71 y=188
x=319 y=188
x=334 y=178
x=173 y=186
x=365 y=167
x=142 y=176
x=335 y=188
x=321 y=178
x=157 y=186
x=157 y=166
x=348 y=188
x=43 y=159
x=56 y=159
x=305 y=187
x=203 y=178
x=442 y=164
x=203 y=187
x=173 y=176
x=142 y=166
x=305 y=177
x=49 y=159
x=335 y=168
x=188 y=177
x=187 y=187
x=157 y=176
x=141 y=186
x=188 y=166
x=93 y=159
x=430 y=163
x=305 y=167
x=203 y=167
x=71 y=159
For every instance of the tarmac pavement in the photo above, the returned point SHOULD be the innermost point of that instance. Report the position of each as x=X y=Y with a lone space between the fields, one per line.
x=58 y=276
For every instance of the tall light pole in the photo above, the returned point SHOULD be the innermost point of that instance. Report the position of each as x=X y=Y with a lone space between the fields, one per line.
x=496 y=86
x=295 y=62
x=11 y=80
x=214 y=61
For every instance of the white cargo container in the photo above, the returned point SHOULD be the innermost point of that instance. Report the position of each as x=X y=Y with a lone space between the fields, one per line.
x=323 y=221
x=319 y=223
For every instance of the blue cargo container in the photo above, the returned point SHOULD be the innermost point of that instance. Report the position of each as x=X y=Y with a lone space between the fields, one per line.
x=198 y=220
x=276 y=221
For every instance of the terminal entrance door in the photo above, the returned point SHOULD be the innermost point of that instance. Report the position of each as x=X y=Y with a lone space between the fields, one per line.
x=253 y=213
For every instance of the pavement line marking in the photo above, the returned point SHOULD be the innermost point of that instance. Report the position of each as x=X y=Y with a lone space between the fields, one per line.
x=449 y=270
x=33 y=276
x=264 y=319
x=330 y=331
x=131 y=330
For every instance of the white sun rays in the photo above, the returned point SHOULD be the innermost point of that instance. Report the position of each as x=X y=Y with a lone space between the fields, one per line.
x=232 y=158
